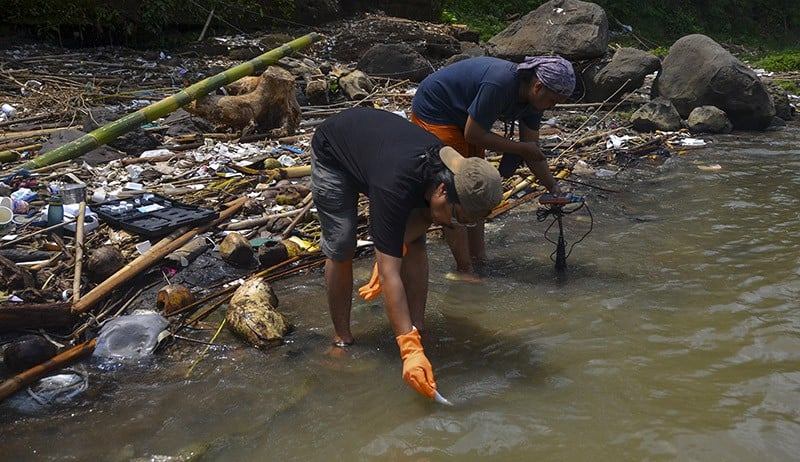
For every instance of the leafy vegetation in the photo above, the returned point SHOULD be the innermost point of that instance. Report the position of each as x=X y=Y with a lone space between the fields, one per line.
x=780 y=62
x=139 y=23
x=790 y=86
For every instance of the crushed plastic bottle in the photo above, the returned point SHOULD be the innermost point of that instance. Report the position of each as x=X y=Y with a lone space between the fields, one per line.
x=287 y=161
x=9 y=111
x=132 y=336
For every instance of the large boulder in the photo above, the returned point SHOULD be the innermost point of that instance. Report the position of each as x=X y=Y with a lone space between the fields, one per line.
x=395 y=60
x=699 y=72
x=573 y=29
x=623 y=74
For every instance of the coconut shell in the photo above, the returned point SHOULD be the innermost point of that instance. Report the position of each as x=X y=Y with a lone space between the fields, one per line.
x=104 y=262
x=251 y=315
x=172 y=298
x=236 y=250
x=272 y=253
x=252 y=207
x=28 y=352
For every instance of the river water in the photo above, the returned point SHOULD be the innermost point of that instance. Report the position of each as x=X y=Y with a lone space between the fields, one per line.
x=673 y=335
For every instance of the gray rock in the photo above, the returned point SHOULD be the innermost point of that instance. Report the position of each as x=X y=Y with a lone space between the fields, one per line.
x=699 y=72
x=780 y=99
x=573 y=29
x=709 y=119
x=398 y=61
x=623 y=74
x=431 y=41
x=132 y=143
x=658 y=114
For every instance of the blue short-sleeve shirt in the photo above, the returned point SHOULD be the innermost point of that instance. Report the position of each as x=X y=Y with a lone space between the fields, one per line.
x=483 y=88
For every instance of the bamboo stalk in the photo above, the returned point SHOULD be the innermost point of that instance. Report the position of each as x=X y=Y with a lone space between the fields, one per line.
x=76 y=281
x=10 y=155
x=14 y=384
x=149 y=113
x=303 y=211
x=43 y=230
x=37 y=118
x=205 y=26
x=163 y=248
x=506 y=206
x=295 y=172
x=260 y=221
x=10 y=136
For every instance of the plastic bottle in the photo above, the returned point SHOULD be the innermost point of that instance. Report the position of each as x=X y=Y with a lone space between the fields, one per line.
x=55 y=213
x=9 y=110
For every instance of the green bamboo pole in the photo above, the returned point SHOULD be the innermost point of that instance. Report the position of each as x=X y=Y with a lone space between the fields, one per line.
x=134 y=120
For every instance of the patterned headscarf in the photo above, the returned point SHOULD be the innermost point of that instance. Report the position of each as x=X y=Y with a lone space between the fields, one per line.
x=554 y=72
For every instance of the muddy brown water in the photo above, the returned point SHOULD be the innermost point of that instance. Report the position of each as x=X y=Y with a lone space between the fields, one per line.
x=674 y=335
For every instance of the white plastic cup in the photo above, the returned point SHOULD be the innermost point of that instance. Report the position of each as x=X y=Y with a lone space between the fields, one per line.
x=6 y=215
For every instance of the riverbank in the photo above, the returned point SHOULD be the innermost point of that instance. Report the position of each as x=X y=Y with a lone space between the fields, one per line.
x=198 y=166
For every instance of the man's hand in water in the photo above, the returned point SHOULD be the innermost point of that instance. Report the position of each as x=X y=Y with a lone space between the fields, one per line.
x=417 y=370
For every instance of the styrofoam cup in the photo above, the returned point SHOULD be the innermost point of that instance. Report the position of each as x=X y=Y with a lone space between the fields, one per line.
x=6 y=215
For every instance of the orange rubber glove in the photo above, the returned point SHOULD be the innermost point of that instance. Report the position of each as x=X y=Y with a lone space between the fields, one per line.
x=417 y=370
x=372 y=289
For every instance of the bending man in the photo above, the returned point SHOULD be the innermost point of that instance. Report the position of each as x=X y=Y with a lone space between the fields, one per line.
x=461 y=102
x=411 y=181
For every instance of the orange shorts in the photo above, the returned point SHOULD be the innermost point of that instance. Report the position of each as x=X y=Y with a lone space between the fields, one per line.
x=452 y=136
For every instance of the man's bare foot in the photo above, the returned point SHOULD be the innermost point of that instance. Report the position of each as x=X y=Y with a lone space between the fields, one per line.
x=464 y=277
x=339 y=342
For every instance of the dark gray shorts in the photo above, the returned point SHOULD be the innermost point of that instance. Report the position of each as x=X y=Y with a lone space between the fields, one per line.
x=336 y=201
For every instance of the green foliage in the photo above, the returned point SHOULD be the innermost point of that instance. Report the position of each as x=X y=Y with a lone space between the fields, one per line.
x=790 y=86
x=487 y=16
x=781 y=62
x=155 y=14
x=448 y=17
x=660 y=51
x=773 y=24
x=624 y=115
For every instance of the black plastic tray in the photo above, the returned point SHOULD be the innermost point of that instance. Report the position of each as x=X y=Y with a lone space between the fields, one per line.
x=151 y=215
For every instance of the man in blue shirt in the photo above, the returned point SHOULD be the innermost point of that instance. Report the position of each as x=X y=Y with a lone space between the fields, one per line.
x=461 y=102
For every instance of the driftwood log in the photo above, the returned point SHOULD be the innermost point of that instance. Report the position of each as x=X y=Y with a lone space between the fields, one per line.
x=270 y=106
x=14 y=384
x=16 y=316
